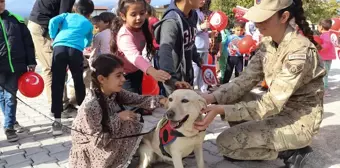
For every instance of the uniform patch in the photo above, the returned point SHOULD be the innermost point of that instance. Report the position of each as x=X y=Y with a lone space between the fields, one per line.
x=294 y=68
x=297 y=57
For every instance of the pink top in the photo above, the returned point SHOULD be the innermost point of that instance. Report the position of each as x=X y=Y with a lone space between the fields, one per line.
x=328 y=50
x=130 y=46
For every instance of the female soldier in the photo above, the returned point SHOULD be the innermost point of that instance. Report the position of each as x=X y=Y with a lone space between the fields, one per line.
x=283 y=121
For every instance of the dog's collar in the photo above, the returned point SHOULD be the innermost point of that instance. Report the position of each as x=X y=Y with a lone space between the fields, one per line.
x=167 y=135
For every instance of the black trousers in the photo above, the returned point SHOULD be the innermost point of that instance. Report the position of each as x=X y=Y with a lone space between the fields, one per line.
x=62 y=57
x=133 y=84
x=236 y=63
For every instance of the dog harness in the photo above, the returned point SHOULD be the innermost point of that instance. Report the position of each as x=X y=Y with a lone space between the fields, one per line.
x=167 y=135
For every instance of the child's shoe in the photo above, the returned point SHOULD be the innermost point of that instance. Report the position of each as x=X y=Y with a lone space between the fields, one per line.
x=11 y=135
x=57 y=128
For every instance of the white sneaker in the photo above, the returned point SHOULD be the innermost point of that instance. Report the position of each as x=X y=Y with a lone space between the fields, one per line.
x=57 y=129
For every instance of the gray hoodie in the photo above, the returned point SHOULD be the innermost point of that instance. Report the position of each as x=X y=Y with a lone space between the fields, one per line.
x=174 y=33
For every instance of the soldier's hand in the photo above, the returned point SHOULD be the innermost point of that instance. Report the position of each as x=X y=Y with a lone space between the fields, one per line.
x=211 y=112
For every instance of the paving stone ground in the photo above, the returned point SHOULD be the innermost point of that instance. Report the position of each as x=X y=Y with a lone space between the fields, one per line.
x=39 y=149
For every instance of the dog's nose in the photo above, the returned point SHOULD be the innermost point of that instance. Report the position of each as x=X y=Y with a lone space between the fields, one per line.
x=170 y=114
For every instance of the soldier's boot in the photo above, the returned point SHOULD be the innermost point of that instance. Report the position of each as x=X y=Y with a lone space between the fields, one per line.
x=233 y=123
x=295 y=158
x=236 y=160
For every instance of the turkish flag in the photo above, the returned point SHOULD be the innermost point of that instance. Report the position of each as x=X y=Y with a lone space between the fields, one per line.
x=209 y=74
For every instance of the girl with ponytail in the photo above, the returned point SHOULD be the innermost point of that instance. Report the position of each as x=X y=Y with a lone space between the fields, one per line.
x=101 y=118
x=130 y=35
x=282 y=122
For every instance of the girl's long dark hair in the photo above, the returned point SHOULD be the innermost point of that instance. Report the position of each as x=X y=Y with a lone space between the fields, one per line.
x=123 y=6
x=296 y=11
x=103 y=65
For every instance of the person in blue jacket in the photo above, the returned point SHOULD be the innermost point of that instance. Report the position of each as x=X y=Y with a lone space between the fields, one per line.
x=71 y=33
x=16 y=57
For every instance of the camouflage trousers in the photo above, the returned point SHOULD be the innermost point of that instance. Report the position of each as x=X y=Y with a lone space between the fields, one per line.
x=263 y=140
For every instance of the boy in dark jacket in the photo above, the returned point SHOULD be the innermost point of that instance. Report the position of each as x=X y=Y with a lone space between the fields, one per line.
x=176 y=34
x=16 y=57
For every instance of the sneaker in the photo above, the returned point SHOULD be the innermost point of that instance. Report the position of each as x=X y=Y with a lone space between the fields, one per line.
x=18 y=127
x=57 y=129
x=295 y=158
x=11 y=135
x=69 y=112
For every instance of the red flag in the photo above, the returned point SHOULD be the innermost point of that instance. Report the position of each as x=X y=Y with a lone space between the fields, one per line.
x=209 y=74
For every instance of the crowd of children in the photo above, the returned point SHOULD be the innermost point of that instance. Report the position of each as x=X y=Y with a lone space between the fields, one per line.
x=123 y=47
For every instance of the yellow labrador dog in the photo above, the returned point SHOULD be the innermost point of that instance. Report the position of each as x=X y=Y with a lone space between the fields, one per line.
x=175 y=137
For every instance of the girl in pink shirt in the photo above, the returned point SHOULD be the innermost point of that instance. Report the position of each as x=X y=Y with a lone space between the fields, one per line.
x=130 y=36
x=327 y=52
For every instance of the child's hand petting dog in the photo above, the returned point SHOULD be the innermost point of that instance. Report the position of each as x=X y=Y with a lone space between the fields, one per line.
x=182 y=85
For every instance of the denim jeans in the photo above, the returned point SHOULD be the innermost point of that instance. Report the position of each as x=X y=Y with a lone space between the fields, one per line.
x=8 y=102
x=327 y=65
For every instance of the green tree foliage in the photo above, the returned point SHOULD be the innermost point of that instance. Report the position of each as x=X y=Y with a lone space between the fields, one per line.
x=315 y=10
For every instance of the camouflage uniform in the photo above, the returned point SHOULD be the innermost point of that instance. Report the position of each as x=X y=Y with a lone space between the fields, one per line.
x=288 y=115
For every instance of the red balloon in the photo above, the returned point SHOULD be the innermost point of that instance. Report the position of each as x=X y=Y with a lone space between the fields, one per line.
x=149 y=85
x=239 y=12
x=318 y=39
x=246 y=45
x=335 y=24
x=218 y=21
x=31 y=84
x=210 y=59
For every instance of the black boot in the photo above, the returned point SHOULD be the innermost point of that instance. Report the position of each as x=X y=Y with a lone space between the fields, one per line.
x=233 y=123
x=236 y=160
x=295 y=158
x=232 y=160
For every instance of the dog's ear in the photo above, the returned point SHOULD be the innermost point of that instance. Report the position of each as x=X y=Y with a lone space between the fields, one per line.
x=166 y=104
x=202 y=103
